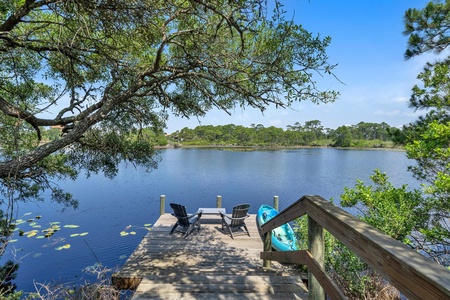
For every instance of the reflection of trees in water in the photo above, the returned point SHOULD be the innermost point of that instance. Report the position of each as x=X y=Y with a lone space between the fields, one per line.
x=8 y=272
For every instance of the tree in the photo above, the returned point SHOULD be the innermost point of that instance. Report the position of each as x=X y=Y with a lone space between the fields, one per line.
x=315 y=129
x=398 y=212
x=103 y=70
x=342 y=136
x=395 y=211
x=428 y=138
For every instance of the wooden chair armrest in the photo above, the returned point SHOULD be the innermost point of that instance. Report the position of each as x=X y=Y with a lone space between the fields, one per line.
x=199 y=213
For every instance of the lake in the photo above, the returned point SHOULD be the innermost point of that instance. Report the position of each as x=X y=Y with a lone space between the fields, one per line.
x=113 y=215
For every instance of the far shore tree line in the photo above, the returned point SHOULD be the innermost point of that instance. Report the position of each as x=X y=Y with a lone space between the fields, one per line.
x=312 y=133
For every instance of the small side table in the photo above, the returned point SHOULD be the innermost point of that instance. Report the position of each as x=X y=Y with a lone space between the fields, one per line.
x=212 y=210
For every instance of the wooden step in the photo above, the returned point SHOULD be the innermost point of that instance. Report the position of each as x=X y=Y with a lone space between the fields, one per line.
x=209 y=296
x=220 y=287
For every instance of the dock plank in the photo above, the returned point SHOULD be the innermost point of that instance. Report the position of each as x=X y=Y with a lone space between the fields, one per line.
x=207 y=264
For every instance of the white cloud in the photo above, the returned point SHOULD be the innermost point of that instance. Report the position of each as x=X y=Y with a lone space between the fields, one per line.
x=402 y=100
x=276 y=123
x=414 y=114
x=381 y=112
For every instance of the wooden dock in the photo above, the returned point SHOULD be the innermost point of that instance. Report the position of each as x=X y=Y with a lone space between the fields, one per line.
x=208 y=264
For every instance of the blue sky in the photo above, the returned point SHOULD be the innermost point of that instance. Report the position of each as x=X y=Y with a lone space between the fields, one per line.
x=368 y=46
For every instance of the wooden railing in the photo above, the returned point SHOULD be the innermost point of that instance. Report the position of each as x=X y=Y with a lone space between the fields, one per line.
x=414 y=275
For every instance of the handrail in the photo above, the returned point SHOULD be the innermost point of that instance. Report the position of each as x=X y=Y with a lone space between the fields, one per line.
x=414 y=275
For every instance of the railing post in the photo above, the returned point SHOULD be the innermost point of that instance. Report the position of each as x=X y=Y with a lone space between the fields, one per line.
x=219 y=202
x=275 y=202
x=316 y=246
x=267 y=247
x=162 y=204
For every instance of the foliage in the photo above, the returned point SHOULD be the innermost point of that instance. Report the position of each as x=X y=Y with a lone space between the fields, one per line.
x=100 y=289
x=342 y=137
x=427 y=140
x=395 y=211
x=398 y=212
x=432 y=154
x=353 y=277
x=427 y=28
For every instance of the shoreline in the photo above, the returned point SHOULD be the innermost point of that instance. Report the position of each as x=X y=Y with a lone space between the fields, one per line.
x=255 y=148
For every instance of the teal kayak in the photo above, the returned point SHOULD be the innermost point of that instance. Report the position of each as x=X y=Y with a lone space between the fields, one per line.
x=283 y=237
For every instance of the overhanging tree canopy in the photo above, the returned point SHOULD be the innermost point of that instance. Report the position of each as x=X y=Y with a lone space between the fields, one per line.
x=429 y=137
x=103 y=69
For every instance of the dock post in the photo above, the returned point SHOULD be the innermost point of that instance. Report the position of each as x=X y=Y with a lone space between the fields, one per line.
x=219 y=202
x=275 y=202
x=162 y=204
x=267 y=247
x=316 y=246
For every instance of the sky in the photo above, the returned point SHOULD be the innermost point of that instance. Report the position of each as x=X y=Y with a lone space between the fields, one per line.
x=368 y=46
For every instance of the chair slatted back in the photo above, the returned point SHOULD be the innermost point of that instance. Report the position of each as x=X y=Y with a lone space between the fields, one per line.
x=179 y=211
x=239 y=213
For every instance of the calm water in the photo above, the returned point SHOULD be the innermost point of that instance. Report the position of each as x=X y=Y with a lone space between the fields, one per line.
x=193 y=177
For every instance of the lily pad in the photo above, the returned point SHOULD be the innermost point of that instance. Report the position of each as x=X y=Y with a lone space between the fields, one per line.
x=71 y=226
x=66 y=246
x=18 y=222
x=31 y=233
x=49 y=234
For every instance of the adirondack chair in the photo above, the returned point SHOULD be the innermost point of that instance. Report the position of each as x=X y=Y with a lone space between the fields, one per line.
x=237 y=219
x=188 y=222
